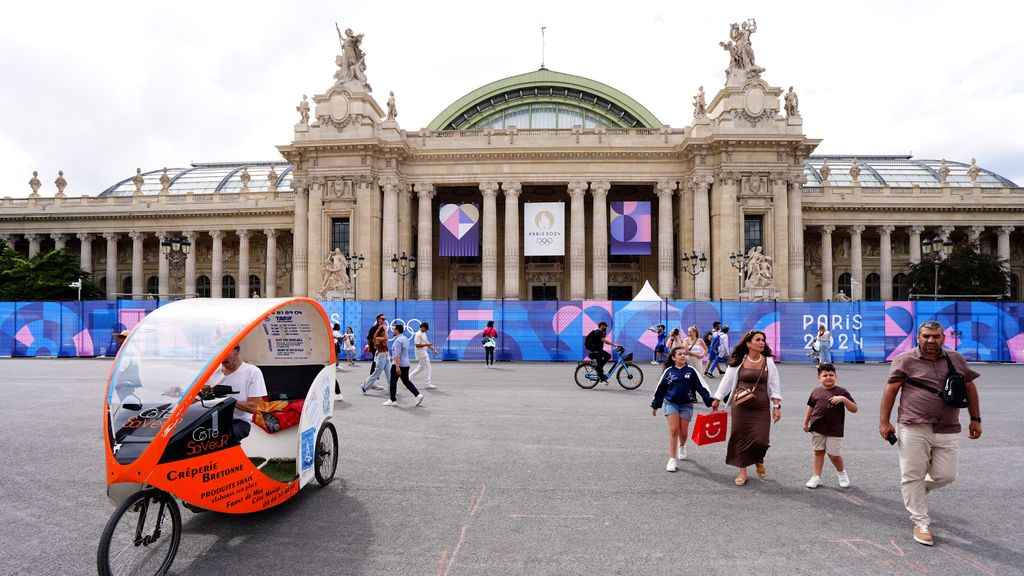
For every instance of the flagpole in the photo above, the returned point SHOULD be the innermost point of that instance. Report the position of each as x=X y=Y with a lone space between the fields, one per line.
x=542 y=46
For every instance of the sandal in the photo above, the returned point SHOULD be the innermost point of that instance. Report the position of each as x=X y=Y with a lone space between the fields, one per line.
x=741 y=480
x=761 y=471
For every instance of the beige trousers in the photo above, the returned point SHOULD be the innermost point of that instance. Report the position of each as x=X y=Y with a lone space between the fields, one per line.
x=927 y=461
x=422 y=365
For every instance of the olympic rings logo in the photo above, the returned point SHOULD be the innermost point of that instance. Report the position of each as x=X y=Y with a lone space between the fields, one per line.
x=545 y=240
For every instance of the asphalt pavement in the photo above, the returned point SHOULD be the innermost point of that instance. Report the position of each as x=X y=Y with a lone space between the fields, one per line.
x=517 y=471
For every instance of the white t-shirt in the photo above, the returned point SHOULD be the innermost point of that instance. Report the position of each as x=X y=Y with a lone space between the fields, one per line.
x=247 y=381
x=421 y=338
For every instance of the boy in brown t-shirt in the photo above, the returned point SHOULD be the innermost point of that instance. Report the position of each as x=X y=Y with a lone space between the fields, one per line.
x=825 y=419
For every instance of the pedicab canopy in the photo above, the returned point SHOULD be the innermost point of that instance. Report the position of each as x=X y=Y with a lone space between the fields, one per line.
x=167 y=359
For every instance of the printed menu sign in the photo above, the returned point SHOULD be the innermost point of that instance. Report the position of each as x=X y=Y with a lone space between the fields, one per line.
x=289 y=335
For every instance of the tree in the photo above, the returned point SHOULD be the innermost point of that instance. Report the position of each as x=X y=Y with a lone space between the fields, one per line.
x=967 y=271
x=43 y=277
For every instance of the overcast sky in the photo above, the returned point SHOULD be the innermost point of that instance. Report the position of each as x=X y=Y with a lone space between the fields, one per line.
x=99 y=88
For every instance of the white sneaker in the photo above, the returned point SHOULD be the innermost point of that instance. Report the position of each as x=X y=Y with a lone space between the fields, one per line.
x=844 y=479
x=681 y=452
x=431 y=387
x=654 y=362
x=390 y=403
x=338 y=398
x=419 y=399
x=377 y=387
x=814 y=482
x=671 y=466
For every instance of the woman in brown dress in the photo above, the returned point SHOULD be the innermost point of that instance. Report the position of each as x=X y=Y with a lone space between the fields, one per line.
x=750 y=367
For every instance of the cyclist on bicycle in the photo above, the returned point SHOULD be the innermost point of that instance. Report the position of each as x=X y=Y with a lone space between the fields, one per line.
x=594 y=343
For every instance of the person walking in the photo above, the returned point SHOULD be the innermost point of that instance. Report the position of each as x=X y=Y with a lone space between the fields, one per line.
x=423 y=345
x=489 y=338
x=752 y=391
x=400 y=367
x=694 y=347
x=826 y=420
x=677 y=390
x=336 y=332
x=659 y=348
x=929 y=428
x=381 y=364
x=369 y=341
x=823 y=345
x=722 y=355
x=348 y=341
x=674 y=341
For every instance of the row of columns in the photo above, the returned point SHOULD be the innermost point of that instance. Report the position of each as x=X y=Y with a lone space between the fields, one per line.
x=138 y=238
x=885 y=254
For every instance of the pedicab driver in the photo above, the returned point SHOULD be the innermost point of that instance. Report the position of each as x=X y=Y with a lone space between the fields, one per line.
x=594 y=343
x=247 y=381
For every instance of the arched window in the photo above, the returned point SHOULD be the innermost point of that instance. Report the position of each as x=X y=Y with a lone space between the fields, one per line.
x=126 y=285
x=254 y=285
x=152 y=285
x=845 y=284
x=900 y=287
x=203 y=286
x=229 y=289
x=873 y=288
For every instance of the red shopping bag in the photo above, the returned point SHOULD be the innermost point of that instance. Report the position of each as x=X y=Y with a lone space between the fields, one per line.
x=710 y=428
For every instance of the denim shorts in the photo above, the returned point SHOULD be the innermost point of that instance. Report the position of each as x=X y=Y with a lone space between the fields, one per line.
x=685 y=411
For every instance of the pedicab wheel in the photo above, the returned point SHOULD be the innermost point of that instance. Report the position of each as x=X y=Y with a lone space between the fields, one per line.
x=630 y=376
x=325 y=456
x=135 y=539
x=581 y=377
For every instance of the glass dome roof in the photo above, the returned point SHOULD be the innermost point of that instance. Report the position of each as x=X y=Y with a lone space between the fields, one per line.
x=206 y=178
x=898 y=172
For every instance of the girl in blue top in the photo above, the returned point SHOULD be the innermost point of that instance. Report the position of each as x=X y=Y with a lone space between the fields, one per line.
x=677 y=390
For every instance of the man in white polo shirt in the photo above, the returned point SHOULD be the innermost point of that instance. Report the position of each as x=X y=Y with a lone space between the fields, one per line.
x=422 y=343
x=247 y=381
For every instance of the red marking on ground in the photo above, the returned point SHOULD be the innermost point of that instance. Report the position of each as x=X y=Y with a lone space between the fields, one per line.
x=451 y=561
x=474 y=502
x=440 y=565
x=892 y=548
x=966 y=559
x=552 y=516
x=849 y=497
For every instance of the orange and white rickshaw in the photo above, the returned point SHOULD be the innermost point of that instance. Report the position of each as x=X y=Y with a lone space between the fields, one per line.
x=169 y=434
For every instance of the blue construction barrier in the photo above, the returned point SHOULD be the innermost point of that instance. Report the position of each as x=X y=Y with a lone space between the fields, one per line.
x=554 y=330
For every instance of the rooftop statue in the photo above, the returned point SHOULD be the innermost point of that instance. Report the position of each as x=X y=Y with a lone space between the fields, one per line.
x=699 y=106
x=973 y=172
x=34 y=183
x=825 y=170
x=352 y=60
x=303 y=110
x=741 y=53
x=138 y=180
x=855 y=170
x=60 y=182
x=943 y=171
x=792 y=104
x=392 y=109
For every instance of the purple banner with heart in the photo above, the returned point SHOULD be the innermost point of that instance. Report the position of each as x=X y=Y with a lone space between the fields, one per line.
x=460 y=230
x=631 y=228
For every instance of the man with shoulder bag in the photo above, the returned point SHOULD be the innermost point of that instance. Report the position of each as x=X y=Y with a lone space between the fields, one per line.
x=933 y=384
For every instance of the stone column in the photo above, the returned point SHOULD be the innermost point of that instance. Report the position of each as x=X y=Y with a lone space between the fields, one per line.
x=796 y=238
x=1003 y=243
x=405 y=238
x=685 y=225
x=33 y=244
x=243 y=263
x=856 y=264
x=138 y=282
x=489 y=263
x=974 y=233
x=945 y=230
x=59 y=240
x=666 y=252
x=728 y=235
x=217 y=265
x=112 y=284
x=702 y=234
x=599 y=243
x=915 y=244
x=389 y=240
x=300 y=241
x=781 y=248
x=163 y=267
x=828 y=284
x=270 y=283
x=424 y=243
x=85 y=253
x=885 y=256
x=190 y=263
x=577 y=241
x=366 y=238
x=512 y=252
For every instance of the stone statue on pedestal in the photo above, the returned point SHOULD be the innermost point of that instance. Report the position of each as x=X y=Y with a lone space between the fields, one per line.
x=825 y=170
x=165 y=182
x=303 y=110
x=352 y=60
x=138 y=180
x=841 y=297
x=943 y=171
x=34 y=184
x=335 y=271
x=272 y=179
x=699 y=107
x=855 y=170
x=792 y=104
x=61 y=183
x=973 y=172
x=392 y=109
x=245 y=178
x=742 y=66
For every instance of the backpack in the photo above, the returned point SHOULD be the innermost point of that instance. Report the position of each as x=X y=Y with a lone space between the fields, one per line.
x=594 y=341
x=954 y=389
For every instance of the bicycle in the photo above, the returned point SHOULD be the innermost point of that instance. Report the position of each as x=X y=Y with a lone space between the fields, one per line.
x=626 y=373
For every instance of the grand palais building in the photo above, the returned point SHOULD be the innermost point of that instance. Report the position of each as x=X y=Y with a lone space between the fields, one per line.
x=354 y=191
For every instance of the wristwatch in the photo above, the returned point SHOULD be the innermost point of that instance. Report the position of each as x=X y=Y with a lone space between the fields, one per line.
x=976 y=419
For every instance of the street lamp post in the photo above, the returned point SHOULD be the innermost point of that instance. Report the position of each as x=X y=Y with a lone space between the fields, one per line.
x=176 y=249
x=939 y=249
x=694 y=264
x=739 y=261
x=403 y=266
x=355 y=263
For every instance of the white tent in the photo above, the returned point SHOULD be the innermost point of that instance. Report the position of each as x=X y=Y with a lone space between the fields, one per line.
x=647 y=294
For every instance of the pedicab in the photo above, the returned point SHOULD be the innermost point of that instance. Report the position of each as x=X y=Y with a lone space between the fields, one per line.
x=171 y=431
